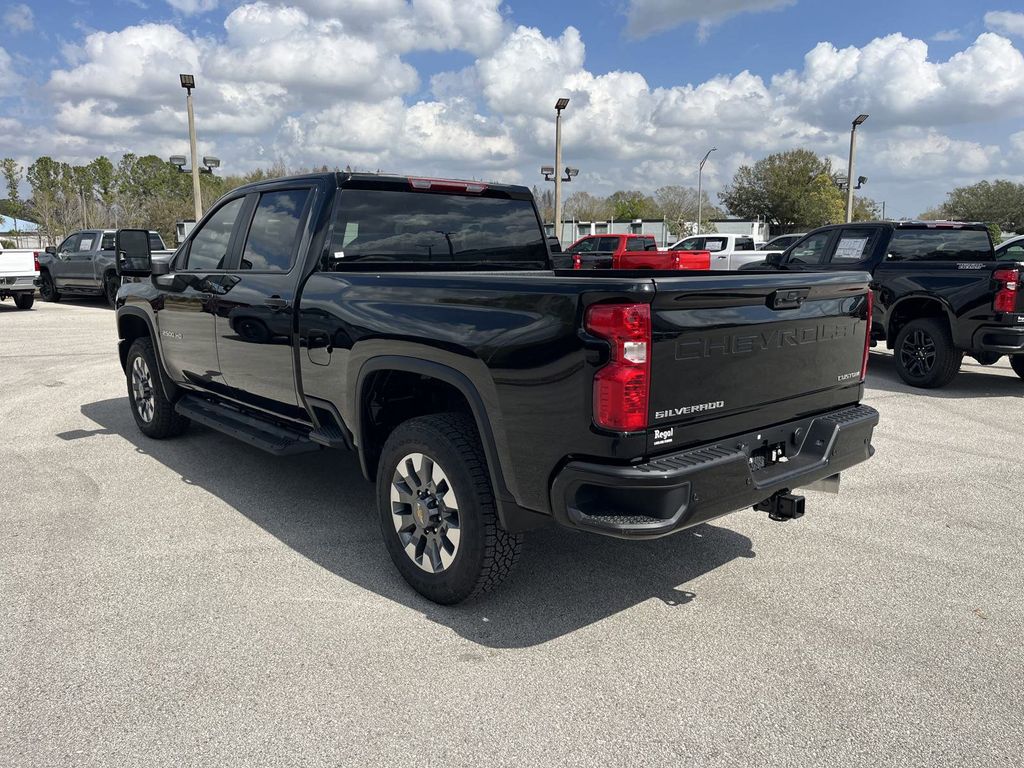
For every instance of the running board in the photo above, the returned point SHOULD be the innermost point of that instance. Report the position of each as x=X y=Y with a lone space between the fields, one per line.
x=247 y=427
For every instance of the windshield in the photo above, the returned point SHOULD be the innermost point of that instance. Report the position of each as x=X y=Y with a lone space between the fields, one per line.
x=384 y=226
x=940 y=245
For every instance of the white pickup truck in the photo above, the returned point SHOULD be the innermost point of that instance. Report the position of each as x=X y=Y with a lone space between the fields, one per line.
x=18 y=271
x=728 y=252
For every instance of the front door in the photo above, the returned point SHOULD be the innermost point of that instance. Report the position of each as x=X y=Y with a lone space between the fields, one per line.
x=80 y=269
x=61 y=269
x=186 y=317
x=256 y=316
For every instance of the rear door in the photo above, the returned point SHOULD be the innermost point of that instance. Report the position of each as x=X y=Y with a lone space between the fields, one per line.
x=256 y=310
x=743 y=350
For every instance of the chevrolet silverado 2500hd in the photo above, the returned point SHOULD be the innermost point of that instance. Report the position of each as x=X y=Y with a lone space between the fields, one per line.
x=417 y=323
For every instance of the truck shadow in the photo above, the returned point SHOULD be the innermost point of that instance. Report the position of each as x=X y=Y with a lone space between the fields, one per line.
x=973 y=381
x=319 y=505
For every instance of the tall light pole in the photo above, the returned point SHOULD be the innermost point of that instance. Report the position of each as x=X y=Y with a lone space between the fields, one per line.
x=559 y=106
x=188 y=82
x=700 y=179
x=858 y=120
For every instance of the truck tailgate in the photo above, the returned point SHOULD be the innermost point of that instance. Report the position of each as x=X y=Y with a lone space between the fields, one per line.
x=17 y=262
x=733 y=353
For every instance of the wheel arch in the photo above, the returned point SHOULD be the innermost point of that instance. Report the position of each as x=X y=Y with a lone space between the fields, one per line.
x=433 y=381
x=912 y=308
x=133 y=323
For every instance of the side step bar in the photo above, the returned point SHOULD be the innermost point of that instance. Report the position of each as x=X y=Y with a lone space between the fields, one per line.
x=247 y=427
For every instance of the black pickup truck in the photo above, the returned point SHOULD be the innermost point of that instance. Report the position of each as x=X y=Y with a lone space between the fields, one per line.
x=940 y=292
x=417 y=322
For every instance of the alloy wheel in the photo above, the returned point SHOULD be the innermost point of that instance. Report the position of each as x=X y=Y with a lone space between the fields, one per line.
x=142 y=390
x=918 y=353
x=425 y=512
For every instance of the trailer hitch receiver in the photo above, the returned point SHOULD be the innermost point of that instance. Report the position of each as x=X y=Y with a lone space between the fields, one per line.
x=782 y=506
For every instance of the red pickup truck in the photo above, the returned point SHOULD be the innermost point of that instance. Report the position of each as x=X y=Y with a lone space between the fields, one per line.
x=632 y=252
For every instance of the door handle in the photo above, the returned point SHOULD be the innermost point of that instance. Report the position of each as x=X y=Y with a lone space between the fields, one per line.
x=275 y=302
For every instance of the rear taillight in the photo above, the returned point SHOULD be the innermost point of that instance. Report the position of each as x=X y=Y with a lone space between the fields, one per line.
x=1006 y=294
x=35 y=260
x=867 y=336
x=622 y=385
x=577 y=261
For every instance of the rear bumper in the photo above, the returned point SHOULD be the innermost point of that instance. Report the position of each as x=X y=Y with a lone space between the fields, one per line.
x=1004 y=339
x=673 y=492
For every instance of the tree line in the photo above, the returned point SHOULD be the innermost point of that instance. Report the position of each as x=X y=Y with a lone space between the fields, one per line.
x=791 y=191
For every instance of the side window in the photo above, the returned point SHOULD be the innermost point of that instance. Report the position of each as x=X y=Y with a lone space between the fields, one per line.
x=691 y=244
x=70 y=244
x=810 y=250
x=86 y=241
x=854 y=245
x=744 y=244
x=274 y=232
x=636 y=244
x=155 y=243
x=1013 y=252
x=607 y=244
x=208 y=248
x=714 y=244
x=584 y=246
x=108 y=242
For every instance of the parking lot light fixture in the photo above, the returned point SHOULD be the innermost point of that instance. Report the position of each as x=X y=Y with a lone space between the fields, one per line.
x=561 y=104
x=211 y=162
x=188 y=82
x=858 y=120
x=700 y=175
x=178 y=160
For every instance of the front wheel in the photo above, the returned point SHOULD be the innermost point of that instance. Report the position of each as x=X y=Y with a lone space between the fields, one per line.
x=925 y=355
x=111 y=285
x=154 y=413
x=47 y=289
x=437 y=511
x=24 y=300
x=1017 y=363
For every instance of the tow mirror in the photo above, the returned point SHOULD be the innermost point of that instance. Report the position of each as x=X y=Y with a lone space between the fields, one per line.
x=133 y=255
x=50 y=249
x=774 y=259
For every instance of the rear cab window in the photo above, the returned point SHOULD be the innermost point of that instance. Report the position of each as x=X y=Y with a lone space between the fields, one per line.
x=410 y=228
x=940 y=244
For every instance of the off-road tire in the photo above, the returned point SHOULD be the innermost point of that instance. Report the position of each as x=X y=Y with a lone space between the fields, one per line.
x=47 y=289
x=1017 y=363
x=111 y=284
x=24 y=300
x=165 y=421
x=486 y=552
x=944 y=363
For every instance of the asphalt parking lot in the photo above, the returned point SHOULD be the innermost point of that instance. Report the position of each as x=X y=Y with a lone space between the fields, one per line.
x=197 y=602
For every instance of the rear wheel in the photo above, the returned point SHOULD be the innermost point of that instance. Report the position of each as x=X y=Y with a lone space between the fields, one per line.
x=437 y=511
x=925 y=356
x=154 y=413
x=111 y=285
x=1017 y=363
x=24 y=300
x=47 y=290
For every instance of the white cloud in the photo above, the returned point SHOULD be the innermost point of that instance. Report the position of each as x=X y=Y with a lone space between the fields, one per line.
x=947 y=36
x=1005 y=22
x=9 y=79
x=19 y=18
x=329 y=81
x=647 y=17
x=192 y=7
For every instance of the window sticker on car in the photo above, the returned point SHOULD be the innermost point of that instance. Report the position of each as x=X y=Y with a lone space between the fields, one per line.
x=85 y=244
x=714 y=245
x=851 y=248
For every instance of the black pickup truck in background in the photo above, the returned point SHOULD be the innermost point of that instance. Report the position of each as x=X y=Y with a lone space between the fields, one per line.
x=418 y=323
x=939 y=291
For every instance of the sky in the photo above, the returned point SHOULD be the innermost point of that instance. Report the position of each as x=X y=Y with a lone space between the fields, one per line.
x=466 y=88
